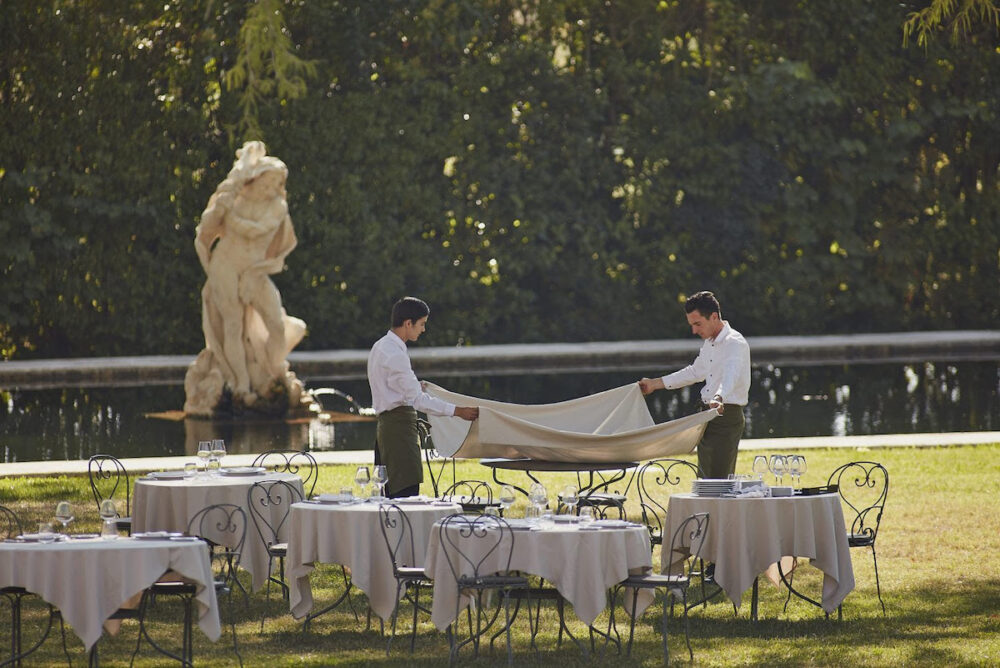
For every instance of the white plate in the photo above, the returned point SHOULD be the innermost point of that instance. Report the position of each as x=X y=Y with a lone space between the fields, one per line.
x=333 y=498
x=412 y=501
x=37 y=537
x=185 y=539
x=612 y=524
x=167 y=475
x=244 y=470
x=156 y=535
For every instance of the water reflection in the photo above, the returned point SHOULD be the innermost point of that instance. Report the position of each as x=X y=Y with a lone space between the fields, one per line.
x=74 y=423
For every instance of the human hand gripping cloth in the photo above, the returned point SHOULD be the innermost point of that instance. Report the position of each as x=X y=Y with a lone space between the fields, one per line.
x=610 y=426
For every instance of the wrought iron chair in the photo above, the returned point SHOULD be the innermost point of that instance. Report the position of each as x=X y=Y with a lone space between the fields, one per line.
x=110 y=480
x=468 y=543
x=687 y=541
x=224 y=527
x=436 y=464
x=863 y=487
x=655 y=482
x=297 y=462
x=270 y=503
x=475 y=496
x=398 y=534
x=605 y=501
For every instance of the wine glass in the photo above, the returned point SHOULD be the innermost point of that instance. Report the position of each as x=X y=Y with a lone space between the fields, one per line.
x=108 y=510
x=109 y=513
x=538 y=496
x=778 y=467
x=204 y=452
x=362 y=477
x=802 y=467
x=794 y=470
x=570 y=496
x=760 y=466
x=381 y=478
x=218 y=450
x=64 y=514
x=506 y=498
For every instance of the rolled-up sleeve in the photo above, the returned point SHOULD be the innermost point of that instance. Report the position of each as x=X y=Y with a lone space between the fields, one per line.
x=401 y=377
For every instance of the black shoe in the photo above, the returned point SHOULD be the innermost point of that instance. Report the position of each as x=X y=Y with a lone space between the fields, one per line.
x=709 y=575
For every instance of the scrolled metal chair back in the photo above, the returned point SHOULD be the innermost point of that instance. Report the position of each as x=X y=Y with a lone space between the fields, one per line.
x=435 y=461
x=463 y=537
x=10 y=524
x=108 y=480
x=296 y=462
x=270 y=503
x=656 y=481
x=398 y=534
x=863 y=487
x=689 y=538
x=222 y=525
x=470 y=490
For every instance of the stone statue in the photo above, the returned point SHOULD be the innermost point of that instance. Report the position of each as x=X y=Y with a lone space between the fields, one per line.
x=244 y=235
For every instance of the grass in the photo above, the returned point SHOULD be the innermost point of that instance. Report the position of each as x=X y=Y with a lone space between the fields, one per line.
x=937 y=550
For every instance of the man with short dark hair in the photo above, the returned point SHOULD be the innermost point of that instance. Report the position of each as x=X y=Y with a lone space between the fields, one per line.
x=397 y=396
x=724 y=364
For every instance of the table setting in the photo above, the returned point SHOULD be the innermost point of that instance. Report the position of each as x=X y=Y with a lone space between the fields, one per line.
x=344 y=529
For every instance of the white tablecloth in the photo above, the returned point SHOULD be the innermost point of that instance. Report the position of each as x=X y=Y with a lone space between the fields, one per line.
x=168 y=505
x=747 y=537
x=89 y=579
x=349 y=535
x=581 y=564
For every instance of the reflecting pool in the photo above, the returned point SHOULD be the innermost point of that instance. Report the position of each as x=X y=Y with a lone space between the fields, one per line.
x=74 y=423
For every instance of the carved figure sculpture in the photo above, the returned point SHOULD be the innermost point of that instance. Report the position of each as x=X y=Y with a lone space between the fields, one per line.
x=244 y=236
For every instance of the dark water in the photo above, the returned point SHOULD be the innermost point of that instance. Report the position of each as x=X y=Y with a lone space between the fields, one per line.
x=74 y=423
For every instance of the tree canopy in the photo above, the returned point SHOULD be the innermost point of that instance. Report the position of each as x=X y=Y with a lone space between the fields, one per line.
x=537 y=170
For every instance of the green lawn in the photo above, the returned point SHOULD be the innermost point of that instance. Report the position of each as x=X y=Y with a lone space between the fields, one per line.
x=938 y=560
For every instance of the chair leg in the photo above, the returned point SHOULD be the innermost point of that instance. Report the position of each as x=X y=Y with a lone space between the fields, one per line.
x=416 y=607
x=687 y=625
x=631 y=626
x=791 y=581
x=878 y=587
x=510 y=650
x=663 y=630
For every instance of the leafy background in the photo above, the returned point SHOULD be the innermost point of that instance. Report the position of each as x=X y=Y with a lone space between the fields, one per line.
x=558 y=170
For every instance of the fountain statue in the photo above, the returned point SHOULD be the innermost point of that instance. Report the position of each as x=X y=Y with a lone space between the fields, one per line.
x=244 y=235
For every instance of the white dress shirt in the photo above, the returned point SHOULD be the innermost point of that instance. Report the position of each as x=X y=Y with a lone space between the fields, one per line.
x=723 y=363
x=393 y=382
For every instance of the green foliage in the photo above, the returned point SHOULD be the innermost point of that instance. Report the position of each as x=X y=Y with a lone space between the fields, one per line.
x=538 y=171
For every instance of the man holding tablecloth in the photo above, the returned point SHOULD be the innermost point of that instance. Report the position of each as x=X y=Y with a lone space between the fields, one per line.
x=724 y=364
x=397 y=396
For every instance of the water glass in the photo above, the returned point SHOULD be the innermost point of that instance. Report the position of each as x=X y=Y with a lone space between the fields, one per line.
x=45 y=533
x=108 y=510
x=190 y=469
x=546 y=521
x=586 y=516
x=109 y=529
x=492 y=511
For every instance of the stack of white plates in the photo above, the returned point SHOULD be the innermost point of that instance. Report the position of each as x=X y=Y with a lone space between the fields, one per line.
x=714 y=487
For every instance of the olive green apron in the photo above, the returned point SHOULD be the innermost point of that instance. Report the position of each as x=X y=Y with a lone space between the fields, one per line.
x=720 y=443
x=399 y=447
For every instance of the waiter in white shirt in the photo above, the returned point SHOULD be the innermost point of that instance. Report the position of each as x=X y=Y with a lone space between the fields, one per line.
x=397 y=396
x=724 y=364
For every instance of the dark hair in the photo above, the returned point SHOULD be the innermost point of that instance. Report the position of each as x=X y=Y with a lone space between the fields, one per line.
x=409 y=308
x=704 y=302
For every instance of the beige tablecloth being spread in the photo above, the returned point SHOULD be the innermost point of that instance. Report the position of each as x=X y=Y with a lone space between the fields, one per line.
x=350 y=535
x=747 y=537
x=581 y=564
x=168 y=505
x=87 y=580
x=610 y=426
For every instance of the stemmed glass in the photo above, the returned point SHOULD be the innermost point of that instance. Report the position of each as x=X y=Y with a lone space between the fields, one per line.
x=539 y=497
x=570 y=496
x=64 y=514
x=506 y=498
x=218 y=451
x=381 y=478
x=204 y=452
x=760 y=466
x=362 y=477
x=778 y=467
x=796 y=467
x=793 y=469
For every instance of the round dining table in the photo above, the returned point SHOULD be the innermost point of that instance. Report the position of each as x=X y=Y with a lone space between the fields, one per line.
x=348 y=533
x=167 y=503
